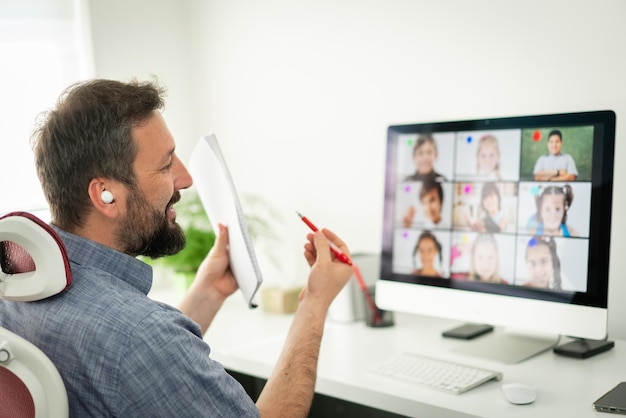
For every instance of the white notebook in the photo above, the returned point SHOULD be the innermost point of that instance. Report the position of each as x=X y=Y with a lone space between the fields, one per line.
x=221 y=202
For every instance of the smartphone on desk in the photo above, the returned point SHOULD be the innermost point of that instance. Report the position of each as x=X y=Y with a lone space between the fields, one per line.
x=614 y=401
x=467 y=331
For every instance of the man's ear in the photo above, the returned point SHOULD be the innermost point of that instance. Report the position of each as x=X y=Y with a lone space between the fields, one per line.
x=102 y=193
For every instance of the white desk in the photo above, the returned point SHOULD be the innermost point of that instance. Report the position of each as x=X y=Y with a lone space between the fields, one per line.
x=249 y=342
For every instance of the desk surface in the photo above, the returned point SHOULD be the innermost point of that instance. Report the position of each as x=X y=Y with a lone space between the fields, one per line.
x=249 y=342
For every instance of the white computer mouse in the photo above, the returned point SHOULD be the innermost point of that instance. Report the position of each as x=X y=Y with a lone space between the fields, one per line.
x=519 y=393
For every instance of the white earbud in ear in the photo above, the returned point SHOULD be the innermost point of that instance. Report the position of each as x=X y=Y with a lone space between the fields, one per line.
x=106 y=196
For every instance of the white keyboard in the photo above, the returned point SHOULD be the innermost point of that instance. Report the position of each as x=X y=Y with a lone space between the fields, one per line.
x=438 y=374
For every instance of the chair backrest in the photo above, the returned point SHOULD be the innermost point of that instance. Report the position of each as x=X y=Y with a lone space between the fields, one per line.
x=33 y=259
x=34 y=266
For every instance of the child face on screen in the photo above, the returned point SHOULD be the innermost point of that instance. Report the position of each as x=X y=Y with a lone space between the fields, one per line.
x=428 y=252
x=491 y=204
x=485 y=260
x=431 y=204
x=539 y=265
x=554 y=144
x=552 y=211
x=488 y=157
x=425 y=157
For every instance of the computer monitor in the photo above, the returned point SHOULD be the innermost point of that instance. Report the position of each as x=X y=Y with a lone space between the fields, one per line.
x=501 y=221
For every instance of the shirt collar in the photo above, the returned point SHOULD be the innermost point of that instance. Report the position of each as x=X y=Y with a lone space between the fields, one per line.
x=85 y=252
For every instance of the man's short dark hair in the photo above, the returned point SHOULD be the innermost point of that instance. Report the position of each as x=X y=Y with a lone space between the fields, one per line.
x=87 y=135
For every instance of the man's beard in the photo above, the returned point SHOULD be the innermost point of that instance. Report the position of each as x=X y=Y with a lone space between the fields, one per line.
x=148 y=232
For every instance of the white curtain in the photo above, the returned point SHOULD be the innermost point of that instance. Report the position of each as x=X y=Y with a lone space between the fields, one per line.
x=45 y=45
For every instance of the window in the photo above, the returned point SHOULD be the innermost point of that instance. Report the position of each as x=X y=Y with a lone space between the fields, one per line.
x=45 y=46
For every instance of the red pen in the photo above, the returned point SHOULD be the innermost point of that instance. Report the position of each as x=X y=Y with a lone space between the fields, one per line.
x=338 y=253
x=357 y=273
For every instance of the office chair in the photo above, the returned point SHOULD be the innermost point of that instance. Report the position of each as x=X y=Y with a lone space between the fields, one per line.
x=34 y=266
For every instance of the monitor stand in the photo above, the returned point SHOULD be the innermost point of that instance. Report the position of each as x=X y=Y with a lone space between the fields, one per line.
x=508 y=347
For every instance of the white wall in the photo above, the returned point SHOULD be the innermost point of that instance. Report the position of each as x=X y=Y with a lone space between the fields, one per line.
x=145 y=39
x=300 y=93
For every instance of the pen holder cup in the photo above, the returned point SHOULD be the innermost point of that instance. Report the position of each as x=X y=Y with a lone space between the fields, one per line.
x=374 y=316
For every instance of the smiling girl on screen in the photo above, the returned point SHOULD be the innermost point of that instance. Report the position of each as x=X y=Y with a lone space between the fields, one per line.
x=488 y=158
x=491 y=203
x=485 y=260
x=552 y=206
x=428 y=250
x=543 y=264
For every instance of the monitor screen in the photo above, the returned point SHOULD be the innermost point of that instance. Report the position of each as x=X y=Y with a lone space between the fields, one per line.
x=501 y=221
